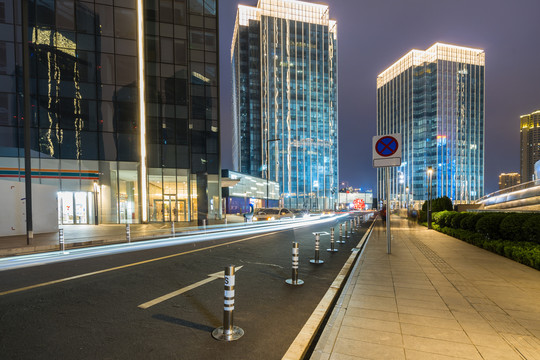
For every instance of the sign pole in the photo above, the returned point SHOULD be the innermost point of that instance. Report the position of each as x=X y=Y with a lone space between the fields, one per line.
x=388 y=235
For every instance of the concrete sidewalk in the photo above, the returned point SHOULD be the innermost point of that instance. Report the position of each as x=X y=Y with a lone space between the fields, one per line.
x=76 y=236
x=434 y=297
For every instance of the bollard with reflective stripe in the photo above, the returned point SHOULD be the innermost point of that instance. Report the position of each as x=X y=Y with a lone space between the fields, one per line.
x=128 y=233
x=228 y=332
x=294 y=280
x=352 y=227
x=316 y=260
x=346 y=231
x=172 y=229
x=332 y=249
x=204 y=224
x=62 y=241
x=340 y=240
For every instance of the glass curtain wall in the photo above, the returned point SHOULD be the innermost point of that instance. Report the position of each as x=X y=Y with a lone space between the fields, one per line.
x=85 y=104
x=435 y=99
x=297 y=99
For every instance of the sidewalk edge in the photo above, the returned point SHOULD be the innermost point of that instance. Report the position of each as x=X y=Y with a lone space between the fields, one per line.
x=298 y=349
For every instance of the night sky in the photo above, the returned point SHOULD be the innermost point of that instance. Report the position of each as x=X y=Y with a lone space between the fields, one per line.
x=373 y=34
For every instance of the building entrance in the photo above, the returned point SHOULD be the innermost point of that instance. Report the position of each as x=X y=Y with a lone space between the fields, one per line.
x=75 y=207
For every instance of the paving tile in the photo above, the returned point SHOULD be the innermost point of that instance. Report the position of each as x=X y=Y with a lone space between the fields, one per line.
x=372 y=314
x=373 y=305
x=451 y=324
x=433 y=332
x=369 y=350
x=370 y=336
x=433 y=303
x=489 y=353
x=442 y=347
x=372 y=324
x=363 y=291
x=444 y=314
x=420 y=355
x=493 y=340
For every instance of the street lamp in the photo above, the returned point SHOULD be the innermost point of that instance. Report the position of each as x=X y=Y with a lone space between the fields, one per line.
x=430 y=174
x=267 y=165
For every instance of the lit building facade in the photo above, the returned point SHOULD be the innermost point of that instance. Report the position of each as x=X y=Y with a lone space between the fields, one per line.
x=507 y=180
x=530 y=144
x=435 y=99
x=284 y=59
x=124 y=97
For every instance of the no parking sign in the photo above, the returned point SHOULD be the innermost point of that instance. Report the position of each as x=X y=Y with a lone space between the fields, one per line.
x=387 y=150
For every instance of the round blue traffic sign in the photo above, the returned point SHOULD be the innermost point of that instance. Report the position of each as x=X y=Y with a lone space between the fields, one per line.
x=386 y=146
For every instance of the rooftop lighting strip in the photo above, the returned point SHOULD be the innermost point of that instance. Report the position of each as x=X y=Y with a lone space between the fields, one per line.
x=142 y=108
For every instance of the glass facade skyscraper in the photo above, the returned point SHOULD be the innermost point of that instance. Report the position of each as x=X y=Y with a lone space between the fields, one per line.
x=284 y=59
x=124 y=98
x=435 y=99
x=530 y=144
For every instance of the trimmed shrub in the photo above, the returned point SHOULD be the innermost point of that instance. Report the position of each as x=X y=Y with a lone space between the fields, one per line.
x=531 y=228
x=511 y=227
x=422 y=216
x=488 y=225
x=469 y=222
x=450 y=217
x=440 y=217
x=456 y=220
x=442 y=204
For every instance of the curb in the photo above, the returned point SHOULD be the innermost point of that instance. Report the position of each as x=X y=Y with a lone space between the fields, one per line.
x=300 y=346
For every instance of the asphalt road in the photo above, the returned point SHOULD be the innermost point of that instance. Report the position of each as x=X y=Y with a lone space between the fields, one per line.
x=97 y=316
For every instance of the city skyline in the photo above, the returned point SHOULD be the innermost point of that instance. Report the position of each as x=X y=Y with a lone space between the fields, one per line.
x=367 y=46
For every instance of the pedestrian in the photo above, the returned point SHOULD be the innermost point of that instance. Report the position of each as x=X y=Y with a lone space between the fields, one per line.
x=383 y=214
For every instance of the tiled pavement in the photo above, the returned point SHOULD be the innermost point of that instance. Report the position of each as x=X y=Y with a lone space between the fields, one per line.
x=434 y=297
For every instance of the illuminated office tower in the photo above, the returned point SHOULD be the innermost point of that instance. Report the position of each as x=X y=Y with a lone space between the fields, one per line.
x=284 y=59
x=530 y=144
x=435 y=99
x=124 y=99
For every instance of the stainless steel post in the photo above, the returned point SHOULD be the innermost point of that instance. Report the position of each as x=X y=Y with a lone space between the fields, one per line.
x=294 y=280
x=62 y=241
x=128 y=233
x=228 y=332
x=172 y=228
x=352 y=227
x=346 y=231
x=332 y=248
x=388 y=236
x=204 y=224
x=341 y=241
x=317 y=243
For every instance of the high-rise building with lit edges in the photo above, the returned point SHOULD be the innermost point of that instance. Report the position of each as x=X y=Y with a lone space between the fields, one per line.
x=530 y=144
x=284 y=59
x=435 y=99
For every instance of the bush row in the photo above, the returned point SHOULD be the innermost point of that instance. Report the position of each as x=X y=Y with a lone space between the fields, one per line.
x=508 y=226
x=524 y=252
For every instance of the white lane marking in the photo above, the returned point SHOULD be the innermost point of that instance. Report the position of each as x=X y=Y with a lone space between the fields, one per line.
x=211 y=277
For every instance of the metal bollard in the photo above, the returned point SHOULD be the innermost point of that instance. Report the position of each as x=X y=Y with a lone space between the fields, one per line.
x=204 y=224
x=346 y=231
x=61 y=240
x=228 y=332
x=341 y=241
x=317 y=243
x=128 y=233
x=332 y=249
x=351 y=226
x=172 y=229
x=225 y=222
x=294 y=280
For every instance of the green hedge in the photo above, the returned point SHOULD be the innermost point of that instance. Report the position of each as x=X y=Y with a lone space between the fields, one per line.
x=524 y=252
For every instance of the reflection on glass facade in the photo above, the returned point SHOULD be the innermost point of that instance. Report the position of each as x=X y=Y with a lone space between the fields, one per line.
x=435 y=99
x=243 y=190
x=284 y=57
x=114 y=155
x=530 y=144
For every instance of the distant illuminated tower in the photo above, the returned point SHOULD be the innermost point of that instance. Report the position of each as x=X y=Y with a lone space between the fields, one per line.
x=507 y=180
x=530 y=144
x=284 y=59
x=435 y=99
